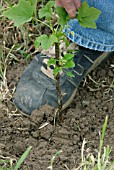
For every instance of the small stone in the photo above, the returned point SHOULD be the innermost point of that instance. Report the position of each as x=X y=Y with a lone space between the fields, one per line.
x=85 y=102
x=110 y=73
x=35 y=134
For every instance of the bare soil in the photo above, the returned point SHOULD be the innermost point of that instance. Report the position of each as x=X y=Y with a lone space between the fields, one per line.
x=83 y=119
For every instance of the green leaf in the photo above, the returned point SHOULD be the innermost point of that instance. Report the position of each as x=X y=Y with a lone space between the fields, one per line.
x=60 y=34
x=51 y=61
x=37 y=43
x=69 y=64
x=88 y=24
x=44 y=13
x=57 y=70
x=45 y=41
x=50 y=4
x=68 y=56
x=34 y=5
x=20 y=13
x=65 y=39
x=47 y=10
x=87 y=15
x=63 y=16
x=70 y=74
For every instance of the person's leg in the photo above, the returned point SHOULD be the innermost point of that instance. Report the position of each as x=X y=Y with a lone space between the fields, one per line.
x=102 y=38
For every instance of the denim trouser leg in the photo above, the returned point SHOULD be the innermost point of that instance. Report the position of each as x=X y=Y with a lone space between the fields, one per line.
x=102 y=38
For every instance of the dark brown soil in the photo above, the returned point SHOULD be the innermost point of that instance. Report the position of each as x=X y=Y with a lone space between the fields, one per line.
x=83 y=119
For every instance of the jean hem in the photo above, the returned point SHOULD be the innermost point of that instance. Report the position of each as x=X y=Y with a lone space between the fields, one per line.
x=80 y=40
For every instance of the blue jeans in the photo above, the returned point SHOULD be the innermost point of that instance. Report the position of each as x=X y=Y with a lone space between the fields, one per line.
x=102 y=38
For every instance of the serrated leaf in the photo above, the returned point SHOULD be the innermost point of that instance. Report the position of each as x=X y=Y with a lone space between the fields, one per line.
x=57 y=70
x=44 y=13
x=51 y=61
x=69 y=64
x=36 y=43
x=87 y=15
x=88 y=24
x=63 y=16
x=94 y=13
x=65 y=39
x=20 y=13
x=60 y=34
x=47 y=10
x=68 y=56
x=34 y=5
x=50 y=4
x=70 y=74
x=46 y=41
x=82 y=10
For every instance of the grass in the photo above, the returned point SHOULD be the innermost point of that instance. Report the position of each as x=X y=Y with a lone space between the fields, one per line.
x=9 y=163
x=89 y=162
x=101 y=161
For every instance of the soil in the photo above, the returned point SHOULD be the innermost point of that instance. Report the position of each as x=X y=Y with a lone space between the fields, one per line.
x=82 y=120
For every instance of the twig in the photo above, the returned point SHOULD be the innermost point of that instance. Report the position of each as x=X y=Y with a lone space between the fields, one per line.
x=57 y=77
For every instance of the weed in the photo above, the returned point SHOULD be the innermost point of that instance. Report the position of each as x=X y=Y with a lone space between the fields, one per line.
x=102 y=161
x=53 y=159
x=91 y=162
x=8 y=162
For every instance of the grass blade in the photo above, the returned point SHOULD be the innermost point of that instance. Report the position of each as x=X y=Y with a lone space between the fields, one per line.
x=22 y=158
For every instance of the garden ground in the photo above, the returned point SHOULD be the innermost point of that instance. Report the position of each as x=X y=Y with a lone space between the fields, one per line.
x=83 y=119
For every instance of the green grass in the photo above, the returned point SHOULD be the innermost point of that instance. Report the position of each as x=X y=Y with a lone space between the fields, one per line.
x=8 y=164
x=89 y=162
x=101 y=161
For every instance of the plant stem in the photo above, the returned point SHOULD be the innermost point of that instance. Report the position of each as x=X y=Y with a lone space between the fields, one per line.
x=43 y=23
x=58 y=79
